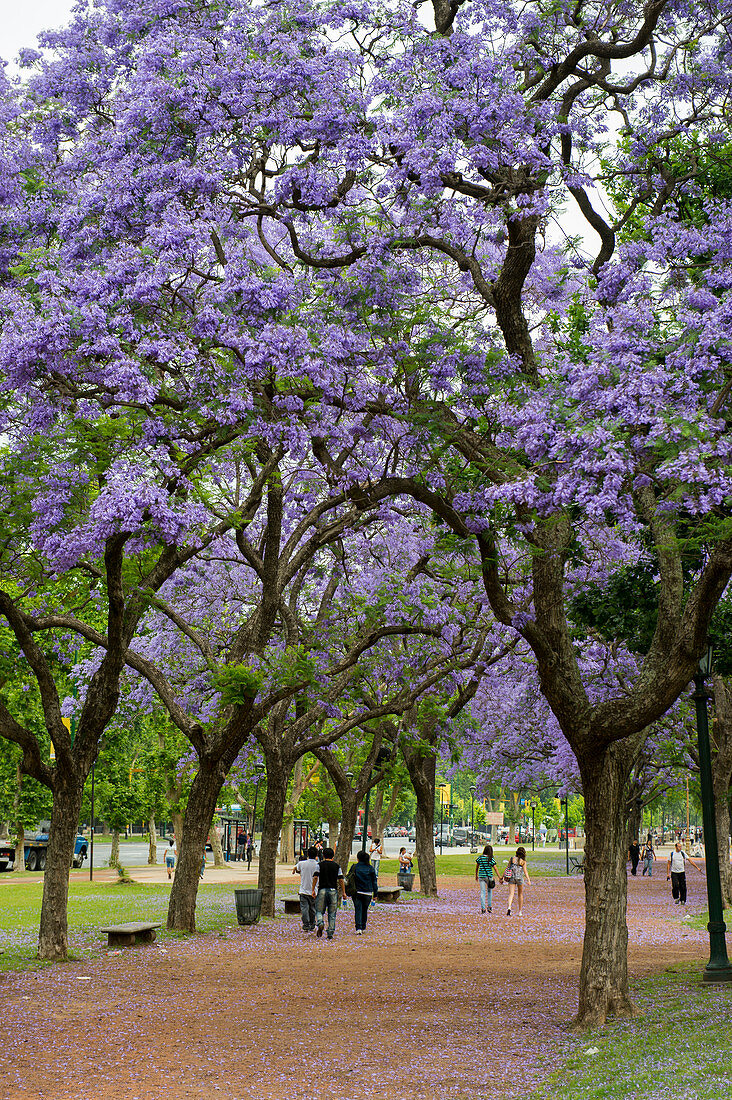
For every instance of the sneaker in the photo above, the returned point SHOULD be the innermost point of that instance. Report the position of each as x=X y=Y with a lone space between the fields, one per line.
x=320 y=930
x=482 y=910
x=359 y=931
x=520 y=913
x=329 y=936
x=490 y=910
x=508 y=912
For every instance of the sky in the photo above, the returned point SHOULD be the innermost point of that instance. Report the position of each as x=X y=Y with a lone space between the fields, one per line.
x=21 y=20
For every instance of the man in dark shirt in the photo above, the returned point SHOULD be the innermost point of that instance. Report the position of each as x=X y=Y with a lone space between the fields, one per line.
x=328 y=887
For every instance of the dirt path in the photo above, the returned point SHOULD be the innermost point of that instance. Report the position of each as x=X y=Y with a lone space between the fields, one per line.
x=406 y=1012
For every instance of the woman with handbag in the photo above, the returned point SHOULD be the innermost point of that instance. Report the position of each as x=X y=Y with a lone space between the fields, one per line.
x=516 y=874
x=485 y=870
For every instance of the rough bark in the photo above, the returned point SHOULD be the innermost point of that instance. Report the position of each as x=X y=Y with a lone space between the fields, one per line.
x=178 y=827
x=192 y=844
x=635 y=814
x=152 y=854
x=604 y=972
x=421 y=763
x=334 y=833
x=382 y=814
x=53 y=931
x=274 y=809
x=215 y=841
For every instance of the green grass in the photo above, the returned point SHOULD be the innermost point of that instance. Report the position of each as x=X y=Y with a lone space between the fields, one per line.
x=92 y=905
x=679 y=1047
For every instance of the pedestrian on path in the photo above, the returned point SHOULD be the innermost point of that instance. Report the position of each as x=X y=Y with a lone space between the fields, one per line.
x=485 y=872
x=328 y=887
x=366 y=887
x=676 y=871
x=250 y=851
x=306 y=868
x=648 y=857
x=170 y=855
x=634 y=856
x=376 y=854
x=516 y=874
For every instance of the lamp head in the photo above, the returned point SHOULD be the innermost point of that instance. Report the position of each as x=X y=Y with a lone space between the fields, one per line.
x=705 y=662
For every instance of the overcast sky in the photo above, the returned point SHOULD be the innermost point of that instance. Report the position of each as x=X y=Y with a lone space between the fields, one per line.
x=21 y=20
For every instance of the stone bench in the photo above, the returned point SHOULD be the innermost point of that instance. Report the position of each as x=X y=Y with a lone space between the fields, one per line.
x=388 y=894
x=127 y=935
x=292 y=905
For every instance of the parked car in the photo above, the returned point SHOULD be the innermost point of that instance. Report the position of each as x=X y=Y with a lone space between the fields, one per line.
x=461 y=837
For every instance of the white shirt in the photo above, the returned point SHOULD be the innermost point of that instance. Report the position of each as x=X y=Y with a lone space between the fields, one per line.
x=376 y=852
x=678 y=861
x=307 y=868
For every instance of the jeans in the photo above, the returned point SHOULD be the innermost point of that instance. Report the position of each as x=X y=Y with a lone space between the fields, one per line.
x=648 y=867
x=375 y=864
x=678 y=886
x=307 y=912
x=361 y=904
x=327 y=897
x=486 y=894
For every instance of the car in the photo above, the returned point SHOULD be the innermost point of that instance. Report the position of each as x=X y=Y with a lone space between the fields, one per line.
x=461 y=837
x=412 y=834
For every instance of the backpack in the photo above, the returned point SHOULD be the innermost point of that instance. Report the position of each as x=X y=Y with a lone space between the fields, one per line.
x=350 y=883
x=508 y=873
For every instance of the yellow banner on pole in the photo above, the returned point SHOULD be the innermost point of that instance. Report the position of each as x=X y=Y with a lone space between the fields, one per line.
x=445 y=794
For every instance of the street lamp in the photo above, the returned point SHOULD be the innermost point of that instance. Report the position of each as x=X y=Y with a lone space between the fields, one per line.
x=718 y=968
x=566 y=830
x=442 y=788
x=533 y=827
x=472 y=827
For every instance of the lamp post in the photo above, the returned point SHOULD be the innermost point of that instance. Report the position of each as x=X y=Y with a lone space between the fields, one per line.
x=442 y=787
x=259 y=770
x=533 y=827
x=472 y=826
x=718 y=968
x=566 y=830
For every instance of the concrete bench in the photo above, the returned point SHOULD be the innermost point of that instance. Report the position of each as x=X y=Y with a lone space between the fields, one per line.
x=292 y=905
x=387 y=894
x=127 y=935
x=577 y=863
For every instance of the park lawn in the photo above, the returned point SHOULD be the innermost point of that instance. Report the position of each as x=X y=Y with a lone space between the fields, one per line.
x=680 y=1046
x=92 y=905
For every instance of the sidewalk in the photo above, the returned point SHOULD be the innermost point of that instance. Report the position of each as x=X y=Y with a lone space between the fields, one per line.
x=231 y=872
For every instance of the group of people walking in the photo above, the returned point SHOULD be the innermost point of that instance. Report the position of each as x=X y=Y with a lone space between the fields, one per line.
x=675 y=865
x=323 y=888
x=515 y=876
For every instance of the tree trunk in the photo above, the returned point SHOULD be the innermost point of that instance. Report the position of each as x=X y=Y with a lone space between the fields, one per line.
x=422 y=765
x=350 y=800
x=334 y=833
x=152 y=855
x=721 y=778
x=19 y=861
x=604 y=974
x=274 y=809
x=199 y=814
x=53 y=931
x=178 y=827
x=286 y=852
x=114 y=853
x=635 y=816
x=215 y=841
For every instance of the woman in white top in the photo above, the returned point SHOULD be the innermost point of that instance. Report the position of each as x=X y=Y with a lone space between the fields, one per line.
x=516 y=874
x=376 y=852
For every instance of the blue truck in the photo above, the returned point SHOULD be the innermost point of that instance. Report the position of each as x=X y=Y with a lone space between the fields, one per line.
x=36 y=848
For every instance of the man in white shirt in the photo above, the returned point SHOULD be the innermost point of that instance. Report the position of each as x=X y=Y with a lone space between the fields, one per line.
x=306 y=868
x=676 y=871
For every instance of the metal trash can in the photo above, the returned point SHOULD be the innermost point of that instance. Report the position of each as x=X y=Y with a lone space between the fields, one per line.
x=405 y=879
x=248 y=905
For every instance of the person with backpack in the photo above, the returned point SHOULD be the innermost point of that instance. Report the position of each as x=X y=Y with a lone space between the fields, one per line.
x=485 y=871
x=516 y=874
x=362 y=886
x=676 y=872
x=327 y=886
